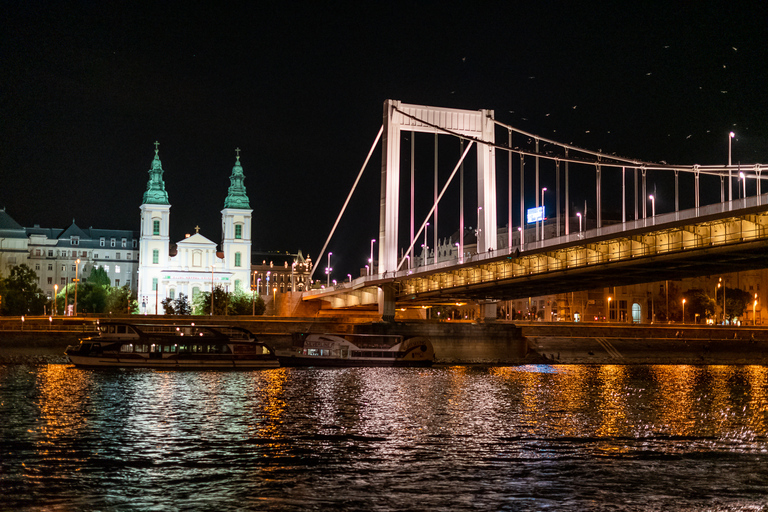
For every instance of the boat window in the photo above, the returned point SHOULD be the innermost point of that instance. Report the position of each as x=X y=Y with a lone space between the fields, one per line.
x=313 y=352
x=127 y=347
x=183 y=348
x=141 y=348
x=121 y=329
x=170 y=348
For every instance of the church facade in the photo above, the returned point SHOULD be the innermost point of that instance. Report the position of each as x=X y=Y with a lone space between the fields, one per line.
x=193 y=265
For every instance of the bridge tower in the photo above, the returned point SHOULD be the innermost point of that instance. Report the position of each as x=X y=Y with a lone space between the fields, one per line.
x=477 y=125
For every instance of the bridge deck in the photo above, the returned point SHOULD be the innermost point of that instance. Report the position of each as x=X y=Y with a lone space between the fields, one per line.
x=723 y=237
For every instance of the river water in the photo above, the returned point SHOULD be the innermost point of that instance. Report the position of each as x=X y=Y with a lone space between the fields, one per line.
x=660 y=438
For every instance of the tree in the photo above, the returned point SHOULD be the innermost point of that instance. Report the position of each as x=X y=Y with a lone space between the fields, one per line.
x=697 y=302
x=177 y=306
x=21 y=295
x=202 y=302
x=99 y=277
x=121 y=300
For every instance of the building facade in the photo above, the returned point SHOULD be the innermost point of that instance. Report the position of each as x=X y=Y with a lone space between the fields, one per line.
x=58 y=256
x=193 y=265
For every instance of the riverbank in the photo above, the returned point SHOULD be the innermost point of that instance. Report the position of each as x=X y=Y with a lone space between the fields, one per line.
x=493 y=343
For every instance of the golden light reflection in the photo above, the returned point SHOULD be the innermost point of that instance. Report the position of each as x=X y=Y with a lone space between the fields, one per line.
x=613 y=398
x=672 y=400
x=62 y=391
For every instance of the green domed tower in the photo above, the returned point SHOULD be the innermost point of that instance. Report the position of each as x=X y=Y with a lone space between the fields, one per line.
x=236 y=229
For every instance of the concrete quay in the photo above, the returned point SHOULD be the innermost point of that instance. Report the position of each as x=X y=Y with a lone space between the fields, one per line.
x=460 y=343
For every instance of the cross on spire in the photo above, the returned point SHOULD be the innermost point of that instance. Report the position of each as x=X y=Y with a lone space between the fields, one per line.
x=238 y=153
x=156 y=144
x=197 y=229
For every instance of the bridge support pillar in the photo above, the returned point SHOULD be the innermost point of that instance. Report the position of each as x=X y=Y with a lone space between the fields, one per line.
x=387 y=302
x=488 y=311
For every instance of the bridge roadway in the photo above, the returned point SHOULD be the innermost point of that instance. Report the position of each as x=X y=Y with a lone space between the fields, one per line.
x=718 y=238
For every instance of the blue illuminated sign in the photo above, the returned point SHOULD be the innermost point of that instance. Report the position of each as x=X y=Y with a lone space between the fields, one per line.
x=535 y=214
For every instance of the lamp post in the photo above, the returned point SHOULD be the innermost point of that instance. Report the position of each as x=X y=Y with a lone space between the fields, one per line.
x=328 y=271
x=212 y=267
x=578 y=214
x=349 y=276
x=716 y=288
x=55 y=293
x=730 y=182
x=653 y=207
x=520 y=230
x=683 y=310
x=77 y=268
x=367 y=270
x=542 y=210
x=754 y=304
x=609 y=309
x=371 y=260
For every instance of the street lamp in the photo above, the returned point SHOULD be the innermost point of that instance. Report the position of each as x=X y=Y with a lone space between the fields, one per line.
x=367 y=270
x=55 y=293
x=754 y=320
x=350 y=277
x=730 y=182
x=520 y=230
x=609 y=308
x=77 y=268
x=683 y=310
x=653 y=207
x=578 y=214
x=212 y=267
x=542 y=209
x=328 y=271
x=371 y=260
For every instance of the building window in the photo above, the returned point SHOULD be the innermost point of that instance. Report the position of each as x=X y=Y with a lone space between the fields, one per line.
x=84 y=254
x=172 y=294
x=63 y=281
x=117 y=282
x=50 y=267
x=50 y=280
x=238 y=231
x=154 y=284
x=117 y=255
x=117 y=269
x=195 y=292
x=237 y=259
x=63 y=268
x=106 y=268
x=127 y=255
x=124 y=242
x=112 y=242
x=101 y=242
x=75 y=240
x=238 y=286
x=155 y=227
x=37 y=266
x=155 y=256
x=134 y=243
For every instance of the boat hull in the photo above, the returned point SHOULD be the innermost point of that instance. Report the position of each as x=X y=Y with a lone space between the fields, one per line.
x=171 y=363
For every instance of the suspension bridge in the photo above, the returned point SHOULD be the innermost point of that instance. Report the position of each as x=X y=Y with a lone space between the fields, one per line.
x=541 y=257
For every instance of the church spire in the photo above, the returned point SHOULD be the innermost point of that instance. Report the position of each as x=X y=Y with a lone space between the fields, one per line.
x=236 y=196
x=156 y=193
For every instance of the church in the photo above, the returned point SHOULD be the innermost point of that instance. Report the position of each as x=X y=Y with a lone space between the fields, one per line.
x=193 y=265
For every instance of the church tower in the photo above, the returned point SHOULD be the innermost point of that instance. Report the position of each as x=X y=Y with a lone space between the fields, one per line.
x=236 y=231
x=155 y=241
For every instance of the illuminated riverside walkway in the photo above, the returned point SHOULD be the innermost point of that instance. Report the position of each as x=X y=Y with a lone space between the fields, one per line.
x=722 y=237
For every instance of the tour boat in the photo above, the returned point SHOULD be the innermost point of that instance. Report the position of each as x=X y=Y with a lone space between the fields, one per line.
x=350 y=350
x=168 y=346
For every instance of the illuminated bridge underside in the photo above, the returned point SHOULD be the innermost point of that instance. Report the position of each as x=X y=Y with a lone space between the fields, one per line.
x=715 y=239
x=671 y=251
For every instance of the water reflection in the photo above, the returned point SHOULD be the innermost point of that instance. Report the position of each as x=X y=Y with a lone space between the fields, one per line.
x=451 y=437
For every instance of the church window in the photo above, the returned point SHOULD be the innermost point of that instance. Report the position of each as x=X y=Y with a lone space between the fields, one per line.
x=195 y=292
x=155 y=227
x=237 y=259
x=172 y=294
x=155 y=256
x=238 y=231
x=197 y=258
x=154 y=284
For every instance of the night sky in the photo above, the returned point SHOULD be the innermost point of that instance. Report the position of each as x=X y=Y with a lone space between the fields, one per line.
x=86 y=88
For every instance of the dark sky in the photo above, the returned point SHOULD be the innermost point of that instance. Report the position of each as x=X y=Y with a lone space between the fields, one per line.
x=87 y=87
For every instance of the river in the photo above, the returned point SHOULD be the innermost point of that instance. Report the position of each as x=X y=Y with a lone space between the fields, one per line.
x=542 y=437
